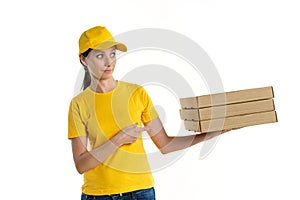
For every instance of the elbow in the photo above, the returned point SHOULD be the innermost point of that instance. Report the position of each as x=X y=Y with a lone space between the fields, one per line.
x=80 y=169
x=164 y=150
x=163 y=147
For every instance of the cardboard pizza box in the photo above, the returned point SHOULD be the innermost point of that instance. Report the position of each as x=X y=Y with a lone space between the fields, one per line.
x=227 y=98
x=227 y=110
x=231 y=122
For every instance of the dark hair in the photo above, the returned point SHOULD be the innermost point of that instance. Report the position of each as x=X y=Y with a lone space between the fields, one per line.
x=87 y=77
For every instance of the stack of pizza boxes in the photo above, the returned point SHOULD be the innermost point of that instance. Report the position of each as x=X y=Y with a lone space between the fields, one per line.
x=228 y=110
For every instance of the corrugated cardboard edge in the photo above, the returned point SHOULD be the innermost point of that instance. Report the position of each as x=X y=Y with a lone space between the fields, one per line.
x=189 y=114
x=192 y=125
x=188 y=103
x=276 y=116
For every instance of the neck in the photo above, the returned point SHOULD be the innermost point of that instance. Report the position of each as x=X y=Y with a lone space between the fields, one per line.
x=102 y=86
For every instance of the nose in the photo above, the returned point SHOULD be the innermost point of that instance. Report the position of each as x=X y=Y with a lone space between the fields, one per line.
x=107 y=61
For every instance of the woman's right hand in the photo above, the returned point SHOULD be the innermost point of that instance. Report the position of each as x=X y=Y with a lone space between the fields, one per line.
x=128 y=135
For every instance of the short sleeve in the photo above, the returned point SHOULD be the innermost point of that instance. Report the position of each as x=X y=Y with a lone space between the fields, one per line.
x=149 y=113
x=76 y=126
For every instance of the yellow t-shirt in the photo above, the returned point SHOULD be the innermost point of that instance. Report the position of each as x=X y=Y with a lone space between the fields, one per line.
x=100 y=116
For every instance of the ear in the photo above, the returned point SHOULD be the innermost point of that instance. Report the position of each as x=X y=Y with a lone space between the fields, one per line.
x=82 y=60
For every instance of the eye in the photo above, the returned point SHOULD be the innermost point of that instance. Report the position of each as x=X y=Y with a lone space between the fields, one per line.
x=113 y=54
x=100 y=56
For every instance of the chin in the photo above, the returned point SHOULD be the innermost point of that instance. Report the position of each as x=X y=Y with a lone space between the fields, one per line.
x=106 y=76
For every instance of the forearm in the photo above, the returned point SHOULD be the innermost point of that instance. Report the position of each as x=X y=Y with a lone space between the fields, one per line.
x=167 y=144
x=86 y=160
x=179 y=143
x=91 y=159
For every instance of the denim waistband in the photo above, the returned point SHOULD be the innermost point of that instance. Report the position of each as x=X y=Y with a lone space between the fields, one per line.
x=116 y=196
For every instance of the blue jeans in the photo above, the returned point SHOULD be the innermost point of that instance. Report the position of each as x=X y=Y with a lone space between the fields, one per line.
x=146 y=194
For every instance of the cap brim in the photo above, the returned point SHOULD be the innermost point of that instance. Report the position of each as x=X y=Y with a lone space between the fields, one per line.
x=109 y=44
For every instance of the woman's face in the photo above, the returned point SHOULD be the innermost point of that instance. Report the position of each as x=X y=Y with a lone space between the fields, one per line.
x=101 y=63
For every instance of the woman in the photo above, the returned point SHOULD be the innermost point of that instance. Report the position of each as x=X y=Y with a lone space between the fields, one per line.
x=110 y=115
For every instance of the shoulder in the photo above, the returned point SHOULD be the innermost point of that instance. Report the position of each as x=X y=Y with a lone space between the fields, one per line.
x=131 y=87
x=80 y=98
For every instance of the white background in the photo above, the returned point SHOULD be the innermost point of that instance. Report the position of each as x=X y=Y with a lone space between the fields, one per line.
x=252 y=43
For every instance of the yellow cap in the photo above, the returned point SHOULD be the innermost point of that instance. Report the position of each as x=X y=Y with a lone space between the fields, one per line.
x=100 y=38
